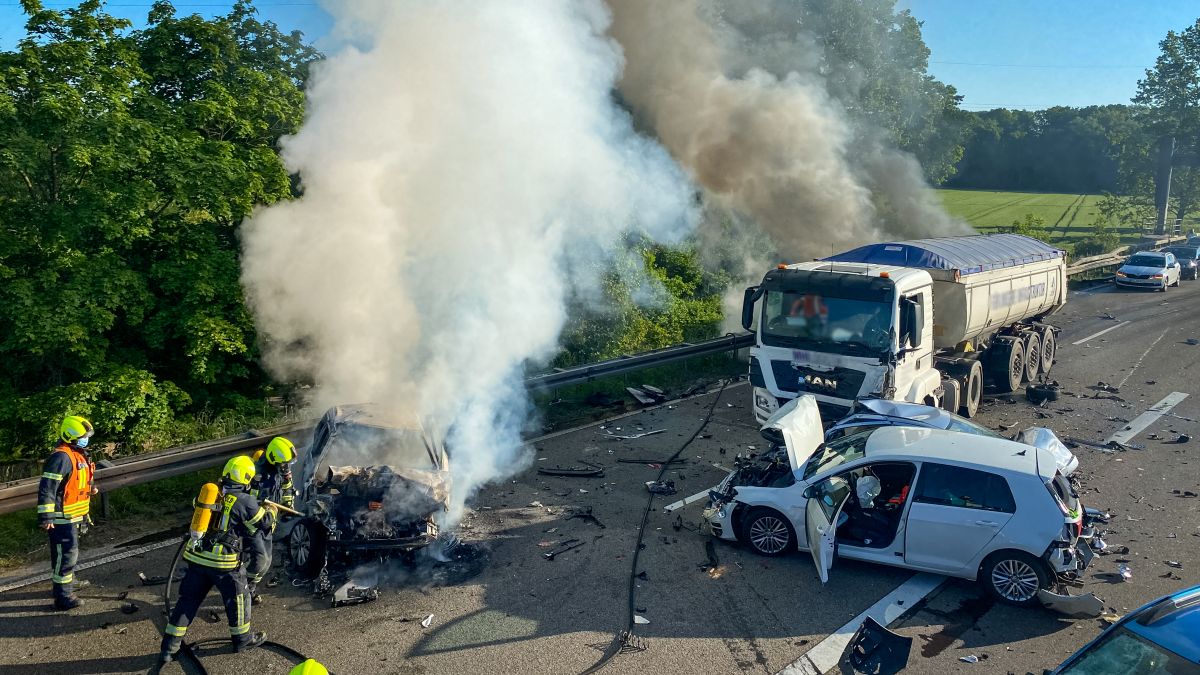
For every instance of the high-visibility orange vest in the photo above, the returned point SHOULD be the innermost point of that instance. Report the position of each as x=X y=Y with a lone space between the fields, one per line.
x=77 y=488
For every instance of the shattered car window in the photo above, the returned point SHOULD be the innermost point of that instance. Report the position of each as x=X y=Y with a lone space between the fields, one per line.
x=968 y=427
x=1123 y=652
x=838 y=452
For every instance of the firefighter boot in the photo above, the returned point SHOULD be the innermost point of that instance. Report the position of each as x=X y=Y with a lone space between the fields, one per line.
x=65 y=601
x=250 y=641
x=170 y=648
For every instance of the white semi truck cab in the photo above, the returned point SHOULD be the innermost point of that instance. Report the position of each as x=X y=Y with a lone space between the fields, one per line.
x=922 y=321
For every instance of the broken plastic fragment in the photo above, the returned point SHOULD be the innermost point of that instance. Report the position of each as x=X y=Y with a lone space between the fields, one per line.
x=640 y=620
x=970 y=658
x=1124 y=571
x=427 y=621
x=1172 y=563
x=1071 y=605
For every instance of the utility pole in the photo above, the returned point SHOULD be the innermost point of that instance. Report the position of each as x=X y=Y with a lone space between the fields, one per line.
x=1162 y=183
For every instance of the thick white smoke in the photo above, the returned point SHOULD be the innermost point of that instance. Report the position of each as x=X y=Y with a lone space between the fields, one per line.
x=463 y=167
x=735 y=92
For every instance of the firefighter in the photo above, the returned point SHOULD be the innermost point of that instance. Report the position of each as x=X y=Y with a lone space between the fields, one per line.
x=64 y=498
x=273 y=481
x=214 y=557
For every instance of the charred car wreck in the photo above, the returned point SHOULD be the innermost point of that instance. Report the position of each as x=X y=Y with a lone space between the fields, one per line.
x=357 y=510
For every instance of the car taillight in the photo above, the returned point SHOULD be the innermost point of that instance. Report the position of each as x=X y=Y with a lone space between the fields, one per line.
x=374 y=506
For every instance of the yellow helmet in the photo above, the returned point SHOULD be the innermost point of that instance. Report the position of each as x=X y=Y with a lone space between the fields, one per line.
x=73 y=428
x=280 y=451
x=240 y=470
x=309 y=667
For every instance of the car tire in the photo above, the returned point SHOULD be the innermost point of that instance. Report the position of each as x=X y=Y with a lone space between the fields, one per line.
x=1008 y=364
x=1033 y=356
x=1014 y=577
x=768 y=532
x=308 y=546
x=972 y=390
x=1049 y=348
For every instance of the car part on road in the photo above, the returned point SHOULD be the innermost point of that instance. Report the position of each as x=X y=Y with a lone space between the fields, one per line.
x=584 y=514
x=876 y=650
x=592 y=471
x=625 y=460
x=658 y=487
x=568 y=545
x=1078 y=606
x=1039 y=393
x=351 y=593
x=151 y=581
x=630 y=437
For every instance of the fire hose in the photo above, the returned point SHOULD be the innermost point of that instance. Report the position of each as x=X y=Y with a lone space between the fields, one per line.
x=187 y=651
x=622 y=638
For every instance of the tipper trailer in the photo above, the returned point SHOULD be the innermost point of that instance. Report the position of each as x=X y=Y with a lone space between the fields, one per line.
x=923 y=321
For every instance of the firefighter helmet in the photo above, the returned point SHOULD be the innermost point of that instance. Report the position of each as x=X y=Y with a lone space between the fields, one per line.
x=240 y=470
x=280 y=451
x=309 y=667
x=73 y=428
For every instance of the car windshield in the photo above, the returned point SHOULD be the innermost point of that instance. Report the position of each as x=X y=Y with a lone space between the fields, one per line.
x=1147 y=261
x=366 y=444
x=1122 y=652
x=837 y=452
x=839 y=325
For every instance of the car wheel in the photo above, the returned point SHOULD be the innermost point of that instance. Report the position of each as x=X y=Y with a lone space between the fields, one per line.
x=308 y=545
x=768 y=532
x=972 y=391
x=1049 y=347
x=1033 y=356
x=1014 y=577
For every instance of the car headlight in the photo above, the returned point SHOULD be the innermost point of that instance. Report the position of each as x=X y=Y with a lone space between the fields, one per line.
x=1121 y=274
x=1157 y=276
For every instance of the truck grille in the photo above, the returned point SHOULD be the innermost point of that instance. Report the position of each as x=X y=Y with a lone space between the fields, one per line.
x=839 y=382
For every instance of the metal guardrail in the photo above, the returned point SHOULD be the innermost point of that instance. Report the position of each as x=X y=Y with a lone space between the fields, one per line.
x=138 y=469
x=1116 y=257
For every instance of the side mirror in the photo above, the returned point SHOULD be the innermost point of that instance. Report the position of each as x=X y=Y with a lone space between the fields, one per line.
x=912 y=324
x=749 y=297
x=811 y=492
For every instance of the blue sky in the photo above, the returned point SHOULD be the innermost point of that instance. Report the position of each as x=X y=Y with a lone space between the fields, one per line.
x=998 y=53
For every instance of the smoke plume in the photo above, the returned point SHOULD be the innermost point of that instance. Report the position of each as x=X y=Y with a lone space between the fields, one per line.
x=742 y=104
x=463 y=167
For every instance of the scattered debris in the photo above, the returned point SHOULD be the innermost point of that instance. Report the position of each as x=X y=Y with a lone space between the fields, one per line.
x=212 y=616
x=568 y=545
x=1104 y=386
x=151 y=581
x=1184 y=493
x=1113 y=550
x=585 y=514
x=536 y=505
x=273 y=581
x=1125 y=573
x=592 y=471
x=1192 y=341
x=642 y=575
x=659 y=462
x=122 y=595
x=1170 y=575
x=875 y=649
x=658 y=487
x=630 y=437
x=1183 y=438
x=1108 y=317
x=601 y=400
x=1110 y=617
x=351 y=593
x=122 y=630
x=969 y=658
x=1172 y=563
x=640 y=620
x=427 y=621
x=128 y=608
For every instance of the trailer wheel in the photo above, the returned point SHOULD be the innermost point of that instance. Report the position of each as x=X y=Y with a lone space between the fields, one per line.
x=972 y=391
x=1033 y=356
x=1049 y=348
x=951 y=394
x=1008 y=364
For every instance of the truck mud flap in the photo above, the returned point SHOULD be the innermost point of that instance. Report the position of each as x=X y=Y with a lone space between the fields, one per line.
x=875 y=649
x=1079 y=606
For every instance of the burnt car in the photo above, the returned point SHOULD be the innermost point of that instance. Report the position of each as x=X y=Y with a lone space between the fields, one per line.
x=372 y=484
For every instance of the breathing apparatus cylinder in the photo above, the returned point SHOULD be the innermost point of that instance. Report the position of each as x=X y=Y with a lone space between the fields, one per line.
x=205 y=501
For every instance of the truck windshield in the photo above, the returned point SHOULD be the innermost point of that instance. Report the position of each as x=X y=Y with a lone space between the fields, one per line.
x=822 y=322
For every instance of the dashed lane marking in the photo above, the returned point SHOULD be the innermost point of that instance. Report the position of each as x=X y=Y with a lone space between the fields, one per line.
x=1139 y=423
x=1093 y=336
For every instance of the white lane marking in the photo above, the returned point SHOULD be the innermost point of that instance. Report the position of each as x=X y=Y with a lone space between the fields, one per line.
x=1143 y=357
x=687 y=500
x=1139 y=423
x=96 y=562
x=1096 y=335
x=824 y=656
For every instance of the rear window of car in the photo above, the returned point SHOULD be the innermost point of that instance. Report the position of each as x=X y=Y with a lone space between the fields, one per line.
x=947 y=485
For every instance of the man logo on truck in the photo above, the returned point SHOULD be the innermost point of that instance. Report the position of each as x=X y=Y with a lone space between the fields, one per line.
x=827 y=383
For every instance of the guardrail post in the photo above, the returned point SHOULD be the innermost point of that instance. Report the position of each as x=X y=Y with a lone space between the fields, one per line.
x=104 y=464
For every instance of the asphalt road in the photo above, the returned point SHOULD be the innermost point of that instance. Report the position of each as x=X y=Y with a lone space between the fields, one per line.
x=511 y=610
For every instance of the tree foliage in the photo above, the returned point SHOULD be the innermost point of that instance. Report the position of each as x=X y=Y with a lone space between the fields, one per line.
x=127 y=158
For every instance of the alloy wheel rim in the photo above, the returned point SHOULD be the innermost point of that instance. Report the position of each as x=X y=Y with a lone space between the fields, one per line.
x=1015 y=580
x=769 y=534
x=300 y=542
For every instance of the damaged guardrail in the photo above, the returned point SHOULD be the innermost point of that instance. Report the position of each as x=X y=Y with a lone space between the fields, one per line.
x=138 y=469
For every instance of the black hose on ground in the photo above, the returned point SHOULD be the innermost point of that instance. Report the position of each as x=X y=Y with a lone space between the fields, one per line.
x=622 y=637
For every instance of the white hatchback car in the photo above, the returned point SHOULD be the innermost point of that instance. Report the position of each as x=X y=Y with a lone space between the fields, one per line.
x=925 y=499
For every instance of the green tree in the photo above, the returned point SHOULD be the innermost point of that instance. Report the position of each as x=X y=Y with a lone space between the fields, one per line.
x=127 y=158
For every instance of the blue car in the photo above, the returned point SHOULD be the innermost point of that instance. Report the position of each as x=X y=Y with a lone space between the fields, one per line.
x=1160 y=637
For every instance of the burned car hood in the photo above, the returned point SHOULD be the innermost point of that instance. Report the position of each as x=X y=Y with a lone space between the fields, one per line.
x=413 y=492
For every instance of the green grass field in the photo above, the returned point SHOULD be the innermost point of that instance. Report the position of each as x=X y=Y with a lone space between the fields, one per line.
x=1067 y=216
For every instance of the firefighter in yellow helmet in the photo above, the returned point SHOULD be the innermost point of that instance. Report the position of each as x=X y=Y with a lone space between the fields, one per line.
x=64 y=499
x=214 y=558
x=273 y=481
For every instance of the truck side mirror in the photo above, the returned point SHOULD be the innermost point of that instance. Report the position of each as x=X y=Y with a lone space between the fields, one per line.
x=912 y=323
x=749 y=297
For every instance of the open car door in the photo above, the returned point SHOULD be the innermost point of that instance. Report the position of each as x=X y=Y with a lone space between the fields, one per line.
x=825 y=502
